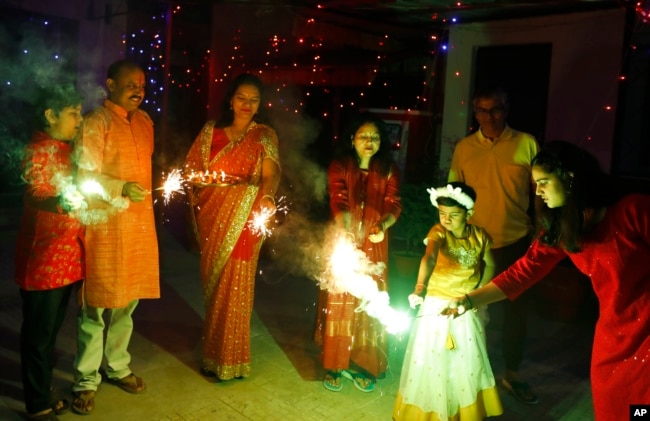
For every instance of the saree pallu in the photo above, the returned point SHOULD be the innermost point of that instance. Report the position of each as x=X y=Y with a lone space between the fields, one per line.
x=229 y=248
x=345 y=335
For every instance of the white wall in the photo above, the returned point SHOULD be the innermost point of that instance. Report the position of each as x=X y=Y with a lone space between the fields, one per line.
x=585 y=65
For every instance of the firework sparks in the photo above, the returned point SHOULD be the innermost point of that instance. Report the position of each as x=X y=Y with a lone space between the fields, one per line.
x=93 y=188
x=173 y=184
x=349 y=270
x=259 y=223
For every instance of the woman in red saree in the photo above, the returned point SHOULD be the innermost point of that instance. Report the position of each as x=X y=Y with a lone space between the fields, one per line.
x=363 y=185
x=234 y=166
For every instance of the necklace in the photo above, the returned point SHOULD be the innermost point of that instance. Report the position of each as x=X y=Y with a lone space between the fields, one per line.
x=231 y=134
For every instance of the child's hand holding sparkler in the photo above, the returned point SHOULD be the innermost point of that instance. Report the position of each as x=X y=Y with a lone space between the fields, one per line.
x=71 y=199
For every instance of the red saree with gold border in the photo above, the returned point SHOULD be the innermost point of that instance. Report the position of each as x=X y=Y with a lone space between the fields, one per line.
x=229 y=249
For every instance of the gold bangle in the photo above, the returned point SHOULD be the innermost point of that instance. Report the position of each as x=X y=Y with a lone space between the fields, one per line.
x=270 y=197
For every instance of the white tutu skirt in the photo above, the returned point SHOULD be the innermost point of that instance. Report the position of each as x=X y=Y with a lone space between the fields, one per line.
x=446 y=372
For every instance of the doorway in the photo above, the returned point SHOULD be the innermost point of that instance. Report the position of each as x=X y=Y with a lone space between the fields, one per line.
x=523 y=71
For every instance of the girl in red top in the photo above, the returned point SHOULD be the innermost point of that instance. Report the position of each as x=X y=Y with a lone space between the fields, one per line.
x=49 y=255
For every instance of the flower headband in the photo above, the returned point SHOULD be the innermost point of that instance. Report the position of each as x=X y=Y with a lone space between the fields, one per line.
x=452 y=193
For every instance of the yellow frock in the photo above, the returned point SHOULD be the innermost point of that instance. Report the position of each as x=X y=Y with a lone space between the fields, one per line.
x=446 y=373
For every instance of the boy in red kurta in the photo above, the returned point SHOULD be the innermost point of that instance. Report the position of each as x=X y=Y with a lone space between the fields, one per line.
x=49 y=253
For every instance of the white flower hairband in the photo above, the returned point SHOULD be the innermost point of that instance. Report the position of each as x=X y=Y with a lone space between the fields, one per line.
x=452 y=193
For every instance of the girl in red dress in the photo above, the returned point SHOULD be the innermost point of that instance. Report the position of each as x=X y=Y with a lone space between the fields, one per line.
x=608 y=239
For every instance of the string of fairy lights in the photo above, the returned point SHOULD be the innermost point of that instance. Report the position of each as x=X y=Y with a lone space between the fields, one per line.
x=148 y=45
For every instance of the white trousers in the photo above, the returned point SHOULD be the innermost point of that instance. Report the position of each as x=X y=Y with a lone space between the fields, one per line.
x=91 y=348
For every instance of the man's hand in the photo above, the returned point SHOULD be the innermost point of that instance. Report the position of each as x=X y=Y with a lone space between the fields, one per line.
x=134 y=191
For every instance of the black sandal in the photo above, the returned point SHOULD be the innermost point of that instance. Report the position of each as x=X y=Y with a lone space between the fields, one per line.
x=61 y=406
x=520 y=391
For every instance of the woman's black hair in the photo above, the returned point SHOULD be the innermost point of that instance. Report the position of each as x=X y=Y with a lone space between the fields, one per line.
x=227 y=115
x=448 y=201
x=382 y=160
x=587 y=188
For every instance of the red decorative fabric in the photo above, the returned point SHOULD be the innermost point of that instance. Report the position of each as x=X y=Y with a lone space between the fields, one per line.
x=49 y=252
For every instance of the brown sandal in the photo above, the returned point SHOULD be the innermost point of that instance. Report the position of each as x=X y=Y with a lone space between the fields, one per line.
x=84 y=402
x=131 y=383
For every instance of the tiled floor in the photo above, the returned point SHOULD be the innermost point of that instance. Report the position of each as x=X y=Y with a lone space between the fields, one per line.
x=286 y=380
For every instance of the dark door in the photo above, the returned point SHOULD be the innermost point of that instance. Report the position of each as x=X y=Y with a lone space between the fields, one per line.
x=523 y=70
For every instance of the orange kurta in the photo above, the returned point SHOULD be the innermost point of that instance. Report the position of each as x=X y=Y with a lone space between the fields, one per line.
x=346 y=335
x=122 y=253
x=229 y=249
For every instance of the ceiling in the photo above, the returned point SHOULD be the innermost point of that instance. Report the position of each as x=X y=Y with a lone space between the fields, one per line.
x=417 y=14
x=353 y=32
x=406 y=21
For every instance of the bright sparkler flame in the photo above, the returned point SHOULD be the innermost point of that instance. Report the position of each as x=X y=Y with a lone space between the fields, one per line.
x=259 y=221
x=349 y=270
x=173 y=184
x=259 y=224
x=93 y=188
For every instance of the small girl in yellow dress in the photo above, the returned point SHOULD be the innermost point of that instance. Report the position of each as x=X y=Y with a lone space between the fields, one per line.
x=446 y=372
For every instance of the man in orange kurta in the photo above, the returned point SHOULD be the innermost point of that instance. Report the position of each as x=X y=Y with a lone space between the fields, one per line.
x=121 y=254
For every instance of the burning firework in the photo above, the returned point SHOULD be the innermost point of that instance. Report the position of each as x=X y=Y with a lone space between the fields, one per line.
x=173 y=184
x=259 y=224
x=349 y=270
x=93 y=188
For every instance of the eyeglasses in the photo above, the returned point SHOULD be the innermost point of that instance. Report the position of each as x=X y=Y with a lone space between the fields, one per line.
x=494 y=111
x=369 y=137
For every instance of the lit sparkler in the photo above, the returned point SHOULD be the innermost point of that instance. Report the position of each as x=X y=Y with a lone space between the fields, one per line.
x=93 y=188
x=259 y=223
x=173 y=184
x=349 y=270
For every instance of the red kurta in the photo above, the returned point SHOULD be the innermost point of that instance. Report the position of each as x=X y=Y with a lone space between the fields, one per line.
x=615 y=257
x=122 y=253
x=346 y=335
x=49 y=251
